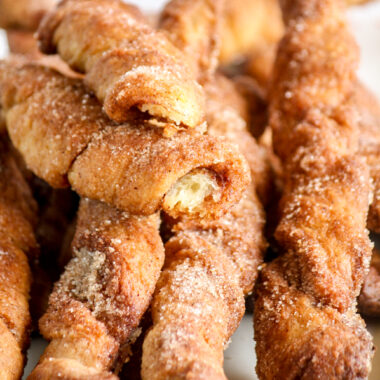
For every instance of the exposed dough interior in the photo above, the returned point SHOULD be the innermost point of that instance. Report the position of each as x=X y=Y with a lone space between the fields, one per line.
x=191 y=190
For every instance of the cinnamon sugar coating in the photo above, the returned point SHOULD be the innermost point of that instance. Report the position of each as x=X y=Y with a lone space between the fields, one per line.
x=126 y=63
x=322 y=231
x=97 y=304
x=65 y=139
x=17 y=244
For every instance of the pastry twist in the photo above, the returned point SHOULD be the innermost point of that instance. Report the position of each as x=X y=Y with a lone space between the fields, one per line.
x=306 y=326
x=96 y=306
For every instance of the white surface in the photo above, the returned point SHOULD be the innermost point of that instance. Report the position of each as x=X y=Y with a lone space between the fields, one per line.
x=239 y=357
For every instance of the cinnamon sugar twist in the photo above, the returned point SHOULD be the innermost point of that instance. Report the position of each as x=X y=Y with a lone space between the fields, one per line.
x=96 y=306
x=18 y=212
x=306 y=324
x=126 y=63
x=210 y=266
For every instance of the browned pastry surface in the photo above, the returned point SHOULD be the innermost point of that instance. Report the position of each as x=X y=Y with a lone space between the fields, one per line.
x=64 y=138
x=97 y=304
x=126 y=63
x=369 y=299
x=322 y=231
x=23 y=14
x=17 y=244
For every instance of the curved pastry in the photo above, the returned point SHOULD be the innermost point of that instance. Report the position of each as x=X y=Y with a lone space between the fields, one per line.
x=126 y=63
x=322 y=231
x=64 y=138
x=97 y=304
x=18 y=212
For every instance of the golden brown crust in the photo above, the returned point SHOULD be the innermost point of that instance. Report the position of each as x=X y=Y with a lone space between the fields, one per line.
x=369 y=299
x=23 y=14
x=126 y=63
x=322 y=231
x=17 y=244
x=97 y=304
x=64 y=138
x=194 y=28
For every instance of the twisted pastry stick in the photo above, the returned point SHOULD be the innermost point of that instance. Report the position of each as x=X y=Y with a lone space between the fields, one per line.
x=65 y=139
x=126 y=63
x=17 y=243
x=306 y=324
x=199 y=299
x=96 y=307
x=209 y=267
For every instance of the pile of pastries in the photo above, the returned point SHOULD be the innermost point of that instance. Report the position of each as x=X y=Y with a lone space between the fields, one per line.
x=155 y=172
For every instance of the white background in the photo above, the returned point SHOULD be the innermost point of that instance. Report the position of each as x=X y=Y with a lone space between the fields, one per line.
x=239 y=357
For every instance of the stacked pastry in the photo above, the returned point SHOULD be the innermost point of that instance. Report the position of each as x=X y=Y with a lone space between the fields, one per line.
x=169 y=237
x=306 y=323
x=140 y=147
